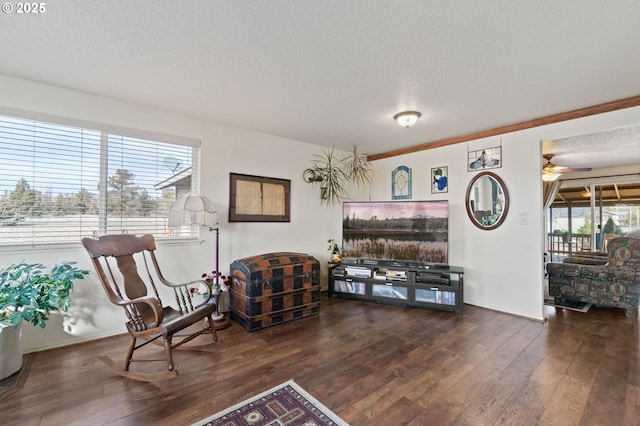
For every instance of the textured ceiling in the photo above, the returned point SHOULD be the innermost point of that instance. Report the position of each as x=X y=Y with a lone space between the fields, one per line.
x=618 y=146
x=334 y=72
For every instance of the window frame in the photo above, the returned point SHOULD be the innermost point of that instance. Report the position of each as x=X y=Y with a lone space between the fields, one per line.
x=106 y=130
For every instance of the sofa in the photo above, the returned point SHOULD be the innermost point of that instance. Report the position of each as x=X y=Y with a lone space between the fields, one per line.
x=610 y=279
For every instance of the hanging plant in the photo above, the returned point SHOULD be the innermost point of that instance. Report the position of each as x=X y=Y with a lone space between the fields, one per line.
x=333 y=173
x=359 y=169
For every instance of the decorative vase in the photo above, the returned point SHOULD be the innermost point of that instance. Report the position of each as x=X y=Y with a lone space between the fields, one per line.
x=336 y=257
x=10 y=350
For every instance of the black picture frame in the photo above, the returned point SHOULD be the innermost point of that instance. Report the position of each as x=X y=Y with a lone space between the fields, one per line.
x=411 y=231
x=259 y=199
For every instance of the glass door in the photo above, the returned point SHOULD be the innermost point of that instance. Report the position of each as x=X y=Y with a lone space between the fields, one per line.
x=586 y=217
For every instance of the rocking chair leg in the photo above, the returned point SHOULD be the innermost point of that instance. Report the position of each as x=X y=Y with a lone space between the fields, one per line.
x=167 y=349
x=132 y=347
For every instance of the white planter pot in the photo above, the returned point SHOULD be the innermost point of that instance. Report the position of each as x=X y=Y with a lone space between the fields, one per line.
x=10 y=350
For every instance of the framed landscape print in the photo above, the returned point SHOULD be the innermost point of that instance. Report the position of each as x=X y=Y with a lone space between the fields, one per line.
x=440 y=180
x=259 y=199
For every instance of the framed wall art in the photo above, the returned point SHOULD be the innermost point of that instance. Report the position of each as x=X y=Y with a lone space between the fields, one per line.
x=259 y=199
x=440 y=180
x=483 y=159
x=401 y=183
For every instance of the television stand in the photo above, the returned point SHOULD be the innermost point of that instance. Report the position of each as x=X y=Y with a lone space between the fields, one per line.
x=413 y=284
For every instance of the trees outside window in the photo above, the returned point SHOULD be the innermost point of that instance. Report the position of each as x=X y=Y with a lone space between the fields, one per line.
x=61 y=183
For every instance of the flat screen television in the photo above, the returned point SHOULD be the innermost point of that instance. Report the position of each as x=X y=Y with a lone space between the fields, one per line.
x=397 y=230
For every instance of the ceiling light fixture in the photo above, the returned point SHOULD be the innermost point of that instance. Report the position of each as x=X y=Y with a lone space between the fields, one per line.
x=407 y=118
x=550 y=176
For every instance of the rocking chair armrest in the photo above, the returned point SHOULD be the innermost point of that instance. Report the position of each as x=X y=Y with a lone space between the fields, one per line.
x=188 y=283
x=151 y=302
x=200 y=283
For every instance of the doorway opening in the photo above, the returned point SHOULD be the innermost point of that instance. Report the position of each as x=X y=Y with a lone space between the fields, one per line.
x=585 y=215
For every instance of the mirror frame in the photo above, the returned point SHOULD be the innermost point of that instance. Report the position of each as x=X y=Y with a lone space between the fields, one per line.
x=505 y=207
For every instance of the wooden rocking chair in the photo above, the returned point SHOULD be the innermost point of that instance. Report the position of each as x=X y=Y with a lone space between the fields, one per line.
x=148 y=319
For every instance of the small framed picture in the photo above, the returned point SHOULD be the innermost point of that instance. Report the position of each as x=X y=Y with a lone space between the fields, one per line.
x=439 y=180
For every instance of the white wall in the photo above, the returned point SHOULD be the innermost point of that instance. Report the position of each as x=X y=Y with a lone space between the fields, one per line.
x=224 y=150
x=503 y=267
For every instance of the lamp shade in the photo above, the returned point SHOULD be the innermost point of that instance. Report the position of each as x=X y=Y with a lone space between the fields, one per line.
x=193 y=209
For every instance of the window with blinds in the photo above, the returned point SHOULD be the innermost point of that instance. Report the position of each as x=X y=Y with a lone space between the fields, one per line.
x=60 y=183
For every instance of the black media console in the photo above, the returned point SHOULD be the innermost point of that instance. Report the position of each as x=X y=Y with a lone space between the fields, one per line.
x=423 y=285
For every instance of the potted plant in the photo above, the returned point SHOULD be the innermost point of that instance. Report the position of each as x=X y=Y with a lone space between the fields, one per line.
x=222 y=284
x=333 y=172
x=336 y=251
x=29 y=293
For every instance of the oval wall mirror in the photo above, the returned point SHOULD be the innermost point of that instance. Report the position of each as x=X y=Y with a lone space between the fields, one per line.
x=487 y=200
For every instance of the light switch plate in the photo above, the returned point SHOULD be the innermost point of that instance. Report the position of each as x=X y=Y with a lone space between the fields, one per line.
x=523 y=218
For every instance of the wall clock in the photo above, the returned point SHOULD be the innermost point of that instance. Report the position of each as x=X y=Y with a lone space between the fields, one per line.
x=401 y=183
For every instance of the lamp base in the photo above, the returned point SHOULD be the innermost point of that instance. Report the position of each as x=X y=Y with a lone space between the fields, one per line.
x=221 y=323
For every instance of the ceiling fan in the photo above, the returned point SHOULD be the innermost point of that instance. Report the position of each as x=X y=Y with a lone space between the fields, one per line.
x=551 y=172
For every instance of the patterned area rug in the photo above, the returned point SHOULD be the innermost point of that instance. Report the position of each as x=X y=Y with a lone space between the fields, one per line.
x=286 y=404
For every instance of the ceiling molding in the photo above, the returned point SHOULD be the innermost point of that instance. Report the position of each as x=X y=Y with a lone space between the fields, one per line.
x=523 y=125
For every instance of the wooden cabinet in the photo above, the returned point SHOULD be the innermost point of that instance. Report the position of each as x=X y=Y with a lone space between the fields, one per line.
x=413 y=284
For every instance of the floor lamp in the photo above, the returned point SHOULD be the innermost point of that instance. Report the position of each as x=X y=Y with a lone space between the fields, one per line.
x=197 y=209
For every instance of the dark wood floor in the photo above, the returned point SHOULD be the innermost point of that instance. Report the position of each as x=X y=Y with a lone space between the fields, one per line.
x=372 y=365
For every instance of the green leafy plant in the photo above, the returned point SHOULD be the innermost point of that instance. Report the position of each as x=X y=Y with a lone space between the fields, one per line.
x=28 y=292
x=358 y=167
x=333 y=247
x=333 y=172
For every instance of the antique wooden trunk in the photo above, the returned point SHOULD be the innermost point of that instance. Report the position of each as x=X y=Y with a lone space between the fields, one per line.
x=273 y=288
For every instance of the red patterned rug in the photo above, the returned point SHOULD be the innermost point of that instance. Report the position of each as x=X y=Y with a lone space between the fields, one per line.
x=286 y=404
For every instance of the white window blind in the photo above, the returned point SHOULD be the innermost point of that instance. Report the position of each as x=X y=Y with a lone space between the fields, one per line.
x=60 y=183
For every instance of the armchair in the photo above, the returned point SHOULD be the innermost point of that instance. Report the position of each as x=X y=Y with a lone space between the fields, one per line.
x=147 y=318
x=611 y=280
